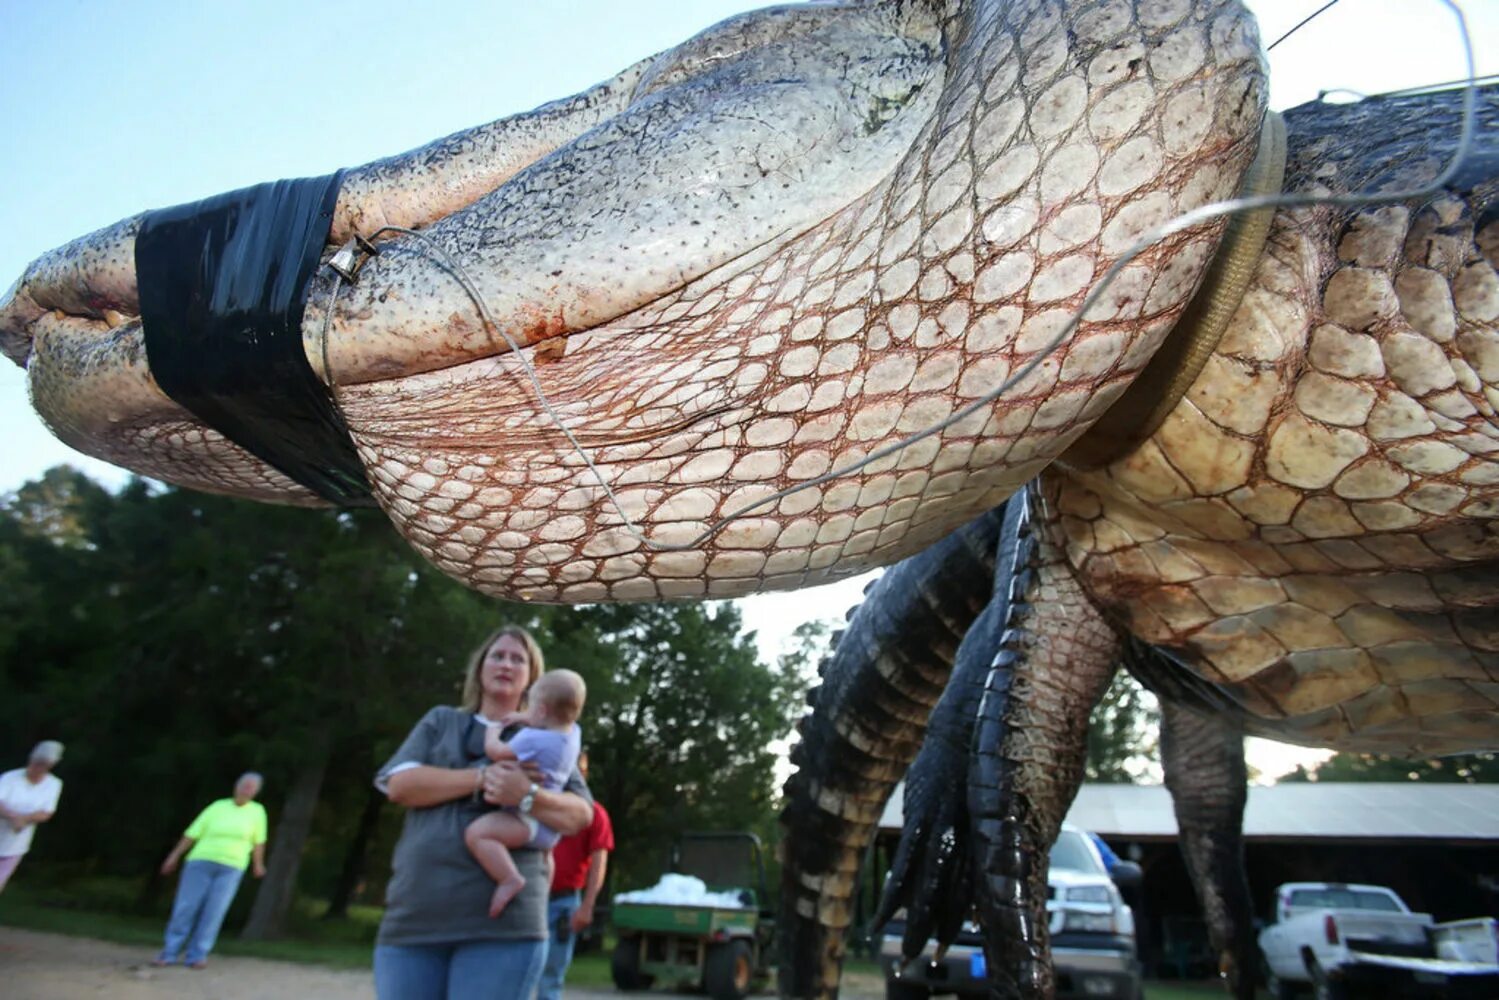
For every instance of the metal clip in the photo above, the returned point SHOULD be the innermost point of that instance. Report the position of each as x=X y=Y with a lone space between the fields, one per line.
x=350 y=257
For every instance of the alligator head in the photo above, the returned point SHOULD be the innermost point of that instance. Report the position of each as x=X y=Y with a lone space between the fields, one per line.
x=760 y=256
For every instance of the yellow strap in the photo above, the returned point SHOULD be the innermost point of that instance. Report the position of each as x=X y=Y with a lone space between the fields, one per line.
x=1137 y=414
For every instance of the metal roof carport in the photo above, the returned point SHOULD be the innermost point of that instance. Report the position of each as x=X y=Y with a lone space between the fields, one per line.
x=1344 y=811
x=1435 y=844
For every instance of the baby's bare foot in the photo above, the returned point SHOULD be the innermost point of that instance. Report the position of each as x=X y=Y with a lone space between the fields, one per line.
x=504 y=893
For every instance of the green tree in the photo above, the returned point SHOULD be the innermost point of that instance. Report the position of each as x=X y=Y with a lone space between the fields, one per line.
x=680 y=721
x=55 y=507
x=1121 y=733
x=809 y=645
x=1471 y=769
x=175 y=639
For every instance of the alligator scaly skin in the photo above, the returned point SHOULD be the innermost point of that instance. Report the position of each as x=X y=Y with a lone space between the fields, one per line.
x=1313 y=530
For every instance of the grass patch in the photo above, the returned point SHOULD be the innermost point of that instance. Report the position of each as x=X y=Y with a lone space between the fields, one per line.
x=862 y=977
x=1176 y=989
x=114 y=927
x=592 y=970
x=342 y=944
x=349 y=943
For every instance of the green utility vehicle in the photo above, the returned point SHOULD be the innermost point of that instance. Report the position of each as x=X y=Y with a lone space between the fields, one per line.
x=722 y=951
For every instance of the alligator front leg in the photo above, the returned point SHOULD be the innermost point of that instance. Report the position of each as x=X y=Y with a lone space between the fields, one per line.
x=1203 y=759
x=1056 y=659
x=879 y=684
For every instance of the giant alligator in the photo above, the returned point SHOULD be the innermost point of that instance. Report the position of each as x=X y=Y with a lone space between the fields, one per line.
x=744 y=270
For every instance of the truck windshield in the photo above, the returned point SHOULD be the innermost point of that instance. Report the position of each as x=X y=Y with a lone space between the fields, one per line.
x=1343 y=899
x=1071 y=852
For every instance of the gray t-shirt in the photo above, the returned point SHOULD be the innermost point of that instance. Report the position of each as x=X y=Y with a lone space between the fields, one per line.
x=438 y=894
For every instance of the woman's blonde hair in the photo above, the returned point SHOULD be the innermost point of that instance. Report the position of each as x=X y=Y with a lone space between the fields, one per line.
x=473 y=691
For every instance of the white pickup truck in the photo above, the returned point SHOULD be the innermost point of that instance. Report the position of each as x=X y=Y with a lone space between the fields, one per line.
x=1344 y=940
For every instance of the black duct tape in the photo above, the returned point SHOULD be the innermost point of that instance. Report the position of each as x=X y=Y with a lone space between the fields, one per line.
x=223 y=286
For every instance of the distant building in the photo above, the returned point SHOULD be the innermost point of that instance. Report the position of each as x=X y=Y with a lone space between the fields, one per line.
x=1435 y=844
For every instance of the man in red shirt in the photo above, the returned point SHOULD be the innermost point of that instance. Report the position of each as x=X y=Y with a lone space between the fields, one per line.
x=579 y=863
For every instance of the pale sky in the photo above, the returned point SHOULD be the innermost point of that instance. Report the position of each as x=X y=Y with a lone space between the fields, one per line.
x=111 y=108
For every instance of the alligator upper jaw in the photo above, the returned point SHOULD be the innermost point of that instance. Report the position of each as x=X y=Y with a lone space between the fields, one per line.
x=713 y=160
x=583 y=211
x=14 y=343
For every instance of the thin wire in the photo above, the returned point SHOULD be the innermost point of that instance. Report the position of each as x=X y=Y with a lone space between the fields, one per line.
x=1476 y=81
x=1304 y=22
x=1204 y=213
x=338 y=279
x=1424 y=88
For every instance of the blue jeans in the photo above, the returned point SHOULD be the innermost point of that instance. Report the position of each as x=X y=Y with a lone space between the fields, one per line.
x=204 y=893
x=470 y=970
x=560 y=941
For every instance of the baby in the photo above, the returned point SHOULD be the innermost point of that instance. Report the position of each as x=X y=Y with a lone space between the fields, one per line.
x=551 y=741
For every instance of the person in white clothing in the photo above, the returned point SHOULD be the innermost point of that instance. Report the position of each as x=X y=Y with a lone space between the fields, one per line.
x=28 y=796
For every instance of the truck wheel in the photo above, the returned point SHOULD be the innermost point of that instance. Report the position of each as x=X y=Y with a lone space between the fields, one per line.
x=1278 y=988
x=625 y=966
x=727 y=971
x=899 y=989
x=1324 y=988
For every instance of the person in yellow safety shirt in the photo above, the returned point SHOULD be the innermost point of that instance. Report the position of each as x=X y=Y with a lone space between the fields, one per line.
x=226 y=838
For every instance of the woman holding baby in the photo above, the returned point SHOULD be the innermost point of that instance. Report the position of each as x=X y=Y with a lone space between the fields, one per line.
x=437 y=940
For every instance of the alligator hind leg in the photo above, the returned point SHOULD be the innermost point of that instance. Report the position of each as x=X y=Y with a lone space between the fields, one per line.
x=1056 y=659
x=1204 y=763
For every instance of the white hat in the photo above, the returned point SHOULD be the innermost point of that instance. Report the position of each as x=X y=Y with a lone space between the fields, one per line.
x=47 y=750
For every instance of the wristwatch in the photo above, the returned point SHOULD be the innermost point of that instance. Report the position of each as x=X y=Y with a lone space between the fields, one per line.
x=529 y=799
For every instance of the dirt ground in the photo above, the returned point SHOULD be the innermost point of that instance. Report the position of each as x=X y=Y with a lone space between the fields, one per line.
x=35 y=966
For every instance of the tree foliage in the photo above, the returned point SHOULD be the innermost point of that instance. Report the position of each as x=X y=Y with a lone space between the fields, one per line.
x=1122 y=733
x=1470 y=769
x=174 y=640
x=679 y=725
